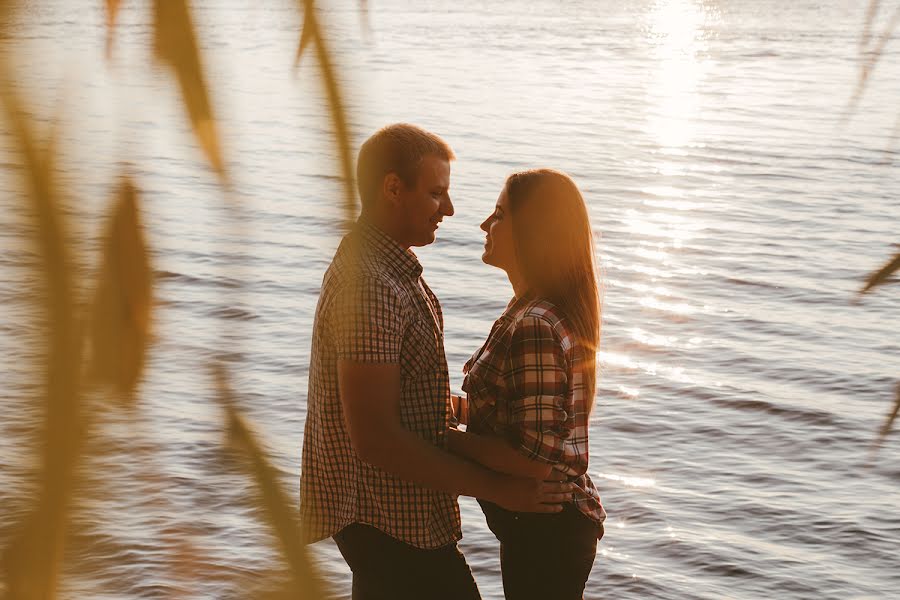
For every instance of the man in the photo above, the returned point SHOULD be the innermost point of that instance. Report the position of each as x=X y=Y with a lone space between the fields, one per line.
x=375 y=474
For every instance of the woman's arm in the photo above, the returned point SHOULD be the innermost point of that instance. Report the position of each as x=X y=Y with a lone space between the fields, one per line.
x=495 y=453
x=540 y=420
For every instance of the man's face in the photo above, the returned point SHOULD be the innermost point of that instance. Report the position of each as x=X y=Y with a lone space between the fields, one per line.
x=424 y=205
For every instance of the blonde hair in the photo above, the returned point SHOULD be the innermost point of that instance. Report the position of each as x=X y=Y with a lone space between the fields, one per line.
x=397 y=148
x=555 y=252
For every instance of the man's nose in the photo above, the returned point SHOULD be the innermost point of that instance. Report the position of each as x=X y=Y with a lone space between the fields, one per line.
x=447 y=206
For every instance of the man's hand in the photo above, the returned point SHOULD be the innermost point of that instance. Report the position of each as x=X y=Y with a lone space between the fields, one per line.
x=532 y=495
x=460 y=406
x=557 y=475
x=370 y=398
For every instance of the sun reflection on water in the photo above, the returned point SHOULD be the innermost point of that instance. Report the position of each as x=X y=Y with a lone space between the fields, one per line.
x=677 y=31
x=678 y=228
x=664 y=191
x=629 y=480
x=650 y=339
x=643 y=288
x=679 y=308
x=618 y=359
x=628 y=392
x=674 y=204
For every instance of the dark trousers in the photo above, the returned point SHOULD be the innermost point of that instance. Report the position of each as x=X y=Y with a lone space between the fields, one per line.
x=387 y=569
x=544 y=556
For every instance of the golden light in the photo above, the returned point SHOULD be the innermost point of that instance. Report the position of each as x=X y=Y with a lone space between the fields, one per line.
x=677 y=32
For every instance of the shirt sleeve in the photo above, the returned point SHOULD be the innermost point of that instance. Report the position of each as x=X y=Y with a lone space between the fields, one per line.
x=538 y=384
x=366 y=322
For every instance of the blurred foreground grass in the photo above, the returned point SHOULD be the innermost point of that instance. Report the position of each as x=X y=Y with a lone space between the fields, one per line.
x=872 y=44
x=104 y=351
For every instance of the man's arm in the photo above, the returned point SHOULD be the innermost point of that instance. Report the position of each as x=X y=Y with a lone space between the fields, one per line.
x=497 y=454
x=370 y=398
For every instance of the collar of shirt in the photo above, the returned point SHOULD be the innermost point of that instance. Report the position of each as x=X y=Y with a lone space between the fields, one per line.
x=517 y=303
x=388 y=250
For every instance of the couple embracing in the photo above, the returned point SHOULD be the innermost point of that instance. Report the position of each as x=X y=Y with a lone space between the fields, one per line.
x=384 y=457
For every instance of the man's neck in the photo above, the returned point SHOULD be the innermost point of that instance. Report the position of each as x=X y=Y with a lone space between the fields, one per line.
x=385 y=224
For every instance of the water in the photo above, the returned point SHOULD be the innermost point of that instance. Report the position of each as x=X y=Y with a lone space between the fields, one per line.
x=741 y=388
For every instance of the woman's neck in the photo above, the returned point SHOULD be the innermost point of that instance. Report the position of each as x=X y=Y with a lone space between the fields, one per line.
x=520 y=288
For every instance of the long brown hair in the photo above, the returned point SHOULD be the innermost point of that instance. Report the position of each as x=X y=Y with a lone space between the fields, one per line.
x=555 y=253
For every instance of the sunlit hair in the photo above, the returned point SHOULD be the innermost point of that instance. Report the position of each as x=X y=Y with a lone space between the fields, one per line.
x=555 y=253
x=399 y=149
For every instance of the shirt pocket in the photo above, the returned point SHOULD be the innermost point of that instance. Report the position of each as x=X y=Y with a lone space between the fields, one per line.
x=487 y=364
x=421 y=350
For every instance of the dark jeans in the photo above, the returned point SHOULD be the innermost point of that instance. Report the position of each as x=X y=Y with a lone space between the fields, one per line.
x=544 y=556
x=387 y=569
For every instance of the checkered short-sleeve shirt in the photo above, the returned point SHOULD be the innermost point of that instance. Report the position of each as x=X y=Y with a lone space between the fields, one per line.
x=375 y=307
x=526 y=384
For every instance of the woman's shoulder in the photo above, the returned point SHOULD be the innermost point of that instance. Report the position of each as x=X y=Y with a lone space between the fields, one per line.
x=545 y=315
x=540 y=308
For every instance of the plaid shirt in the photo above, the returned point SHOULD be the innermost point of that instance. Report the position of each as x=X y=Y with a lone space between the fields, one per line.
x=525 y=384
x=375 y=308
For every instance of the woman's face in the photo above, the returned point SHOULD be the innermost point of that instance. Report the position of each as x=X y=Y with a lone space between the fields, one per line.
x=499 y=249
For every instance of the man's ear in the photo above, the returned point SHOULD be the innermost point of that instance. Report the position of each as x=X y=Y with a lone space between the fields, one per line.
x=391 y=188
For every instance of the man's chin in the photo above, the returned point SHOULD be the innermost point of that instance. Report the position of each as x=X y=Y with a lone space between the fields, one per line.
x=424 y=240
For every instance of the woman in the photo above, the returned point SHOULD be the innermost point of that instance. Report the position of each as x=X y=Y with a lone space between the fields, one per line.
x=531 y=385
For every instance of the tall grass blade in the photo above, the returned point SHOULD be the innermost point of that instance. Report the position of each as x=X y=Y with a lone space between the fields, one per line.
x=305 y=40
x=176 y=46
x=335 y=105
x=882 y=275
x=871 y=11
x=276 y=507
x=31 y=563
x=889 y=422
x=112 y=11
x=121 y=318
x=7 y=10
x=872 y=56
x=365 y=20
x=886 y=427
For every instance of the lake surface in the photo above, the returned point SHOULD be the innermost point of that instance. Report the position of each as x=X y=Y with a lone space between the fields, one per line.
x=741 y=388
